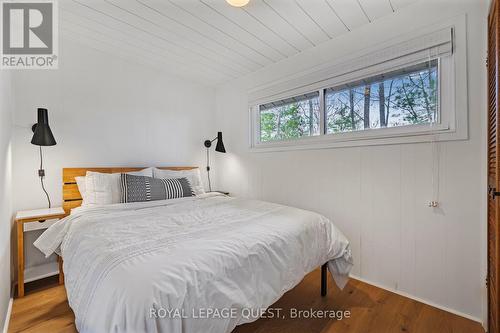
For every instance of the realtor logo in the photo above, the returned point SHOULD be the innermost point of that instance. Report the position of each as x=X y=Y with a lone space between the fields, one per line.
x=29 y=34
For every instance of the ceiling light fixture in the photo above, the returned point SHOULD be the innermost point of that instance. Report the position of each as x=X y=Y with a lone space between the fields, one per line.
x=238 y=3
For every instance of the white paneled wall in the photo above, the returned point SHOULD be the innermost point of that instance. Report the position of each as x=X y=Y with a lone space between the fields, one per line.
x=103 y=111
x=6 y=109
x=379 y=195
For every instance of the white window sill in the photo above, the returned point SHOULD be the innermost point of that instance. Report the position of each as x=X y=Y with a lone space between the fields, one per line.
x=386 y=136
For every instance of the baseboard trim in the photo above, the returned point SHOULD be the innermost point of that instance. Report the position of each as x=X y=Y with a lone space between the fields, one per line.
x=7 y=316
x=402 y=293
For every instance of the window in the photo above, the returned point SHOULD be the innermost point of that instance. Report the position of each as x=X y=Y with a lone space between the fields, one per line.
x=290 y=119
x=412 y=91
x=405 y=97
x=401 y=98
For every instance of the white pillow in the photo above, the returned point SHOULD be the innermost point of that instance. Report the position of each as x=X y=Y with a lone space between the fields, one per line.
x=80 y=182
x=104 y=188
x=193 y=176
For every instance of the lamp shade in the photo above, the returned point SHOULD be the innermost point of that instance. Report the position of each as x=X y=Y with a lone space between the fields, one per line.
x=238 y=3
x=42 y=135
x=220 y=145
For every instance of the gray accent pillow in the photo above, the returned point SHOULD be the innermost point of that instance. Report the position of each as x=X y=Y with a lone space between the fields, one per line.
x=142 y=188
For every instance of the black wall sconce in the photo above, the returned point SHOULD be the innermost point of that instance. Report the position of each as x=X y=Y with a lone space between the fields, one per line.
x=219 y=147
x=42 y=136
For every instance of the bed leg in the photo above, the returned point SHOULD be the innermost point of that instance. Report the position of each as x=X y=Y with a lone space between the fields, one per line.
x=324 y=279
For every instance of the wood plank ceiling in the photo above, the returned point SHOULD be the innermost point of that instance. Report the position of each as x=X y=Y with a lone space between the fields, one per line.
x=209 y=41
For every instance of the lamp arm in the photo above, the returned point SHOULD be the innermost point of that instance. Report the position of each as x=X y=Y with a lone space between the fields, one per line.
x=208 y=170
x=41 y=174
x=41 y=161
x=208 y=143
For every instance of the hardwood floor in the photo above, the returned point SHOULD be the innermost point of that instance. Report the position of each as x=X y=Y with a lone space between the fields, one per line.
x=373 y=310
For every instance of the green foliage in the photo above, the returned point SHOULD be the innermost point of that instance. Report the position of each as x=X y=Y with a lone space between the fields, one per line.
x=268 y=126
x=292 y=123
x=341 y=120
x=416 y=97
x=343 y=111
x=288 y=121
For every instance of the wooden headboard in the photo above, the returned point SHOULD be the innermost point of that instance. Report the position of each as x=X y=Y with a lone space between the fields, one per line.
x=72 y=197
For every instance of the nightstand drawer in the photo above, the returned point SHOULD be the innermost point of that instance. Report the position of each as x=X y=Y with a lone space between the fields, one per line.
x=31 y=226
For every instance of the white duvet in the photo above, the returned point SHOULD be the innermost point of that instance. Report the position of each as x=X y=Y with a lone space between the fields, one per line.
x=188 y=265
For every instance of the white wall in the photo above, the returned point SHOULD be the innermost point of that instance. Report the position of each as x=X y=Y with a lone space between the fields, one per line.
x=104 y=111
x=378 y=195
x=6 y=108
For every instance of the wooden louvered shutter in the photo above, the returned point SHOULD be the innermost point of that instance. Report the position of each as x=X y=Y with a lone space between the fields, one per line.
x=493 y=171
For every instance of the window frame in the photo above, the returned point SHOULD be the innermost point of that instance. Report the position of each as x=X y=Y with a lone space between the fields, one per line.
x=371 y=81
x=452 y=103
x=444 y=123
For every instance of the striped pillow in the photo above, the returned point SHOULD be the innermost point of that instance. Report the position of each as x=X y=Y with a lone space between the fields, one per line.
x=142 y=188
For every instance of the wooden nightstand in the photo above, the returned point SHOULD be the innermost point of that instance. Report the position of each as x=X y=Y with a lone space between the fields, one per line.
x=26 y=221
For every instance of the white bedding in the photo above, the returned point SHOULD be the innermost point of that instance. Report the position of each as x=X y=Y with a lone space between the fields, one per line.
x=126 y=264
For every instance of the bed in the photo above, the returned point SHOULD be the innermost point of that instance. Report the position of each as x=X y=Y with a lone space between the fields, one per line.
x=198 y=264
